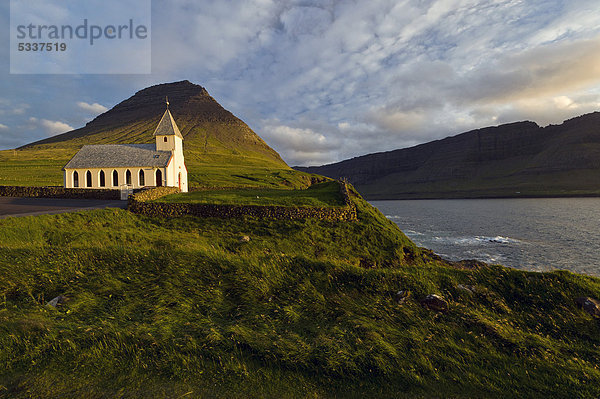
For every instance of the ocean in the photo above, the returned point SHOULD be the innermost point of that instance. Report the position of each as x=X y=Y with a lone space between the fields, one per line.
x=531 y=234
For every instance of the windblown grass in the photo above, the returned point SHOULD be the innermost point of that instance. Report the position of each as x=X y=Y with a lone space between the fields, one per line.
x=183 y=308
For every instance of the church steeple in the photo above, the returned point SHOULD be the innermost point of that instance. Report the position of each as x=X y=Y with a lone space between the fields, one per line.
x=167 y=125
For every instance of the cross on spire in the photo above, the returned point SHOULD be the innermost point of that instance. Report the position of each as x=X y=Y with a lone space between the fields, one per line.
x=167 y=100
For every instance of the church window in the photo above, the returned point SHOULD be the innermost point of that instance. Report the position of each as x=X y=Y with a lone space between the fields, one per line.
x=75 y=179
x=102 y=179
x=128 y=177
x=115 y=178
x=158 y=178
x=88 y=179
x=165 y=139
x=142 y=178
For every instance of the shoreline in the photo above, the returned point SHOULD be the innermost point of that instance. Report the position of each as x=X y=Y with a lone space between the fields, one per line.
x=475 y=196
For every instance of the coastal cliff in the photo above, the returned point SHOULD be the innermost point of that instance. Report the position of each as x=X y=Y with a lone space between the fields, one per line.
x=512 y=160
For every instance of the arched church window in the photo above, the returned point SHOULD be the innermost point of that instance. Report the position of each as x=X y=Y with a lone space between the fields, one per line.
x=158 y=178
x=128 y=177
x=75 y=179
x=88 y=179
x=102 y=179
x=142 y=178
x=115 y=178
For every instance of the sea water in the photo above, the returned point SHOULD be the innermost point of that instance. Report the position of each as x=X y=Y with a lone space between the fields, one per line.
x=531 y=234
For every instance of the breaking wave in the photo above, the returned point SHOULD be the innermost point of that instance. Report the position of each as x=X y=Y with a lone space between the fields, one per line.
x=477 y=240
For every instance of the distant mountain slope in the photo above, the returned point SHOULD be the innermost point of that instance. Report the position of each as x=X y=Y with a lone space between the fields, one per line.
x=517 y=159
x=207 y=127
x=220 y=149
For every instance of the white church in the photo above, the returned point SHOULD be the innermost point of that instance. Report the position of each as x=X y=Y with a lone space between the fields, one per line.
x=132 y=165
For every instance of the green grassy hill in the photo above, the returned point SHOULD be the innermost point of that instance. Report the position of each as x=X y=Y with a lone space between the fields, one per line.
x=184 y=308
x=219 y=149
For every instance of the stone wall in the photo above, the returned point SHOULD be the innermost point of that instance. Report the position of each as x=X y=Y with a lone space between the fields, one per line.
x=234 y=211
x=154 y=193
x=139 y=203
x=59 y=192
x=345 y=192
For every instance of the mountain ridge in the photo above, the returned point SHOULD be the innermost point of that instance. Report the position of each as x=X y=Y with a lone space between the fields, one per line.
x=194 y=109
x=514 y=159
x=220 y=149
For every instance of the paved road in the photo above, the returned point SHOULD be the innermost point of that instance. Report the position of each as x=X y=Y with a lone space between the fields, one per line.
x=18 y=206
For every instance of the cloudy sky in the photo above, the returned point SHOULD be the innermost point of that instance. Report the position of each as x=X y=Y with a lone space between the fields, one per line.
x=322 y=81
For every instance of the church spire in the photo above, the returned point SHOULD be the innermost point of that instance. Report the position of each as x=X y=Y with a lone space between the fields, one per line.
x=167 y=125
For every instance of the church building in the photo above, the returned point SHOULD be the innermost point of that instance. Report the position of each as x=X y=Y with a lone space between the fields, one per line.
x=133 y=165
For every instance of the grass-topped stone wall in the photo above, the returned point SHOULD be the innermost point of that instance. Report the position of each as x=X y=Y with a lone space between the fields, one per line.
x=234 y=211
x=154 y=193
x=142 y=203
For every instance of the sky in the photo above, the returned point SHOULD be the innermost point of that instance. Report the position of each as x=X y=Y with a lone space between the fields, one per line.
x=323 y=81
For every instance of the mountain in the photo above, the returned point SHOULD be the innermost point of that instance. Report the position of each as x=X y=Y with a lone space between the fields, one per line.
x=511 y=160
x=207 y=127
x=219 y=148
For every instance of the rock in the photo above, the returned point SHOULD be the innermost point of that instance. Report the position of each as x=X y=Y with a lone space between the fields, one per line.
x=401 y=296
x=468 y=288
x=244 y=239
x=58 y=301
x=435 y=302
x=590 y=305
x=367 y=263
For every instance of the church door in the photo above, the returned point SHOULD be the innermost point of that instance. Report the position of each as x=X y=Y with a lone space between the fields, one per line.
x=158 y=178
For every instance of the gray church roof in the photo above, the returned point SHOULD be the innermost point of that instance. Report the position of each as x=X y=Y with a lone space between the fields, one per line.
x=167 y=126
x=119 y=156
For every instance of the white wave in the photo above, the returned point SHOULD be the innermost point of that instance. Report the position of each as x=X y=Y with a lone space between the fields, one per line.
x=502 y=240
x=476 y=240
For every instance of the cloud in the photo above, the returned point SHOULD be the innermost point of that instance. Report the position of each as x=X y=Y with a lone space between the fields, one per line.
x=326 y=80
x=298 y=145
x=94 y=108
x=547 y=84
x=537 y=72
x=547 y=111
x=8 y=108
x=19 y=109
x=50 y=127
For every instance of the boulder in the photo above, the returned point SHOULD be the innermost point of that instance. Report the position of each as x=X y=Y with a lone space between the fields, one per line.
x=244 y=239
x=590 y=305
x=468 y=288
x=367 y=263
x=435 y=302
x=401 y=296
x=58 y=301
